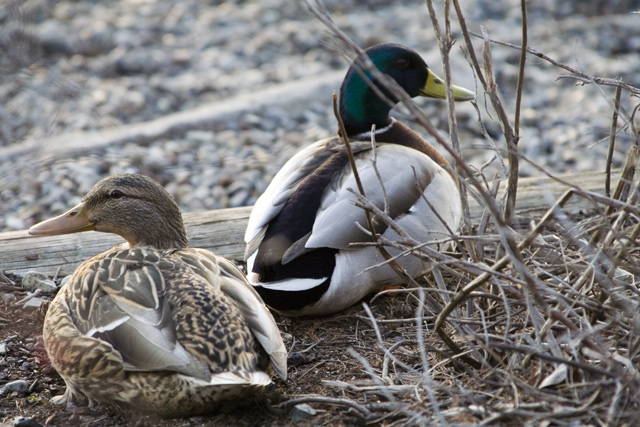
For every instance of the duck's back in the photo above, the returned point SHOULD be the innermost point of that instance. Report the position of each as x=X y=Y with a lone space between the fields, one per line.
x=312 y=242
x=160 y=331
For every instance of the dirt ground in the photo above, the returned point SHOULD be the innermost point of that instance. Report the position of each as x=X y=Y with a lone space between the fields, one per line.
x=323 y=364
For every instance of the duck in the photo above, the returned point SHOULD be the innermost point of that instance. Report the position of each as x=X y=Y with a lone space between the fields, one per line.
x=153 y=324
x=307 y=249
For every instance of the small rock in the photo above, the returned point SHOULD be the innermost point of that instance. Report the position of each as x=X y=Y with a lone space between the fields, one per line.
x=12 y=222
x=8 y=297
x=19 y=386
x=35 y=302
x=64 y=280
x=200 y=136
x=25 y=422
x=55 y=37
x=287 y=337
x=302 y=412
x=297 y=358
x=3 y=348
x=239 y=198
x=33 y=280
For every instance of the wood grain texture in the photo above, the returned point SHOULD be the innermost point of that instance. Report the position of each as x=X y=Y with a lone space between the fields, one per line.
x=222 y=231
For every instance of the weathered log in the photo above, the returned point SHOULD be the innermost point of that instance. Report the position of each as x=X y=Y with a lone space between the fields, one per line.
x=220 y=230
x=223 y=230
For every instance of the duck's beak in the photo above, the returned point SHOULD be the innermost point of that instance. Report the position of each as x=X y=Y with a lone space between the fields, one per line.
x=435 y=88
x=74 y=220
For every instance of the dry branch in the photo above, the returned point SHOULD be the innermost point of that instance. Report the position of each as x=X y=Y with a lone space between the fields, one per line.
x=547 y=305
x=575 y=74
x=220 y=230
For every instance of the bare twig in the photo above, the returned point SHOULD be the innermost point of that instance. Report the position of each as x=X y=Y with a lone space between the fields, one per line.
x=445 y=45
x=512 y=143
x=612 y=141
x=502 y=262
x=575 y=74
x=553 y=297
x=364 y=412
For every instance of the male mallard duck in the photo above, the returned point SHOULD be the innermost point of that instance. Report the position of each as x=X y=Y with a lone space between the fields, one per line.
x=301 y=255
x=153 y=324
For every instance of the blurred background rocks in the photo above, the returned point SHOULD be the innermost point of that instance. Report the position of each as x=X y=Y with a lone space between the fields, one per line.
x=80 y=66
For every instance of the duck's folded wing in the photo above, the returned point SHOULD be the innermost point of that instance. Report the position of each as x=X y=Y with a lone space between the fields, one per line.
x=128 y=309
x=284 y=184
x=224 y=275
x=400 y=174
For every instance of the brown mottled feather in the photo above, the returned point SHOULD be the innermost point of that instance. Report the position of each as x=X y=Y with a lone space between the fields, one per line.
x=170 y=331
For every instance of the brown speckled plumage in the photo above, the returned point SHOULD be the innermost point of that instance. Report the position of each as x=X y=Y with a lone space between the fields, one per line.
x=169 y=330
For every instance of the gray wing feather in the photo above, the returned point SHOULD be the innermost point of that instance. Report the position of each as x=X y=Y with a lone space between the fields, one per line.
x=129 y=311
x=405 y=173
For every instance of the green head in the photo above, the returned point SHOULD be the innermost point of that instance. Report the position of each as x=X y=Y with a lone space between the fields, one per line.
x=361 y=107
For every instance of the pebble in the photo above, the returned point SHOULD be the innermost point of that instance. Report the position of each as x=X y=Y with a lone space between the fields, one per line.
x=81 y=66
x=19 y=386
x=302 y=412
x=7 y=297
x=25 y=422
x=33 y=280
x=64 y=280
x=35 y=302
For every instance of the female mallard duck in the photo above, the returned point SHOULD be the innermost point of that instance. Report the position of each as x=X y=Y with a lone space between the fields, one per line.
x=301 y=255
x=153 y=324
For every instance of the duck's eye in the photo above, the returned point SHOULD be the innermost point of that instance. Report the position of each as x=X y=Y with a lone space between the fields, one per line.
x=402 y=63
x=116 y=194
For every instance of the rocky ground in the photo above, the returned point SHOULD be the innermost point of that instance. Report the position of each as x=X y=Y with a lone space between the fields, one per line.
x=69 y=66
x=319 y=365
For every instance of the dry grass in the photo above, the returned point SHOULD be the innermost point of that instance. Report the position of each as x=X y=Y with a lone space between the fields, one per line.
x=527 y=322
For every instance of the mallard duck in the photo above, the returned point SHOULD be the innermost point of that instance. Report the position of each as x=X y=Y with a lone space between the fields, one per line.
x=152 y=324
x=307 y=253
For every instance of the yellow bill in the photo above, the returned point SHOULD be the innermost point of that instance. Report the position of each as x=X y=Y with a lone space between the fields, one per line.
x=435 y=88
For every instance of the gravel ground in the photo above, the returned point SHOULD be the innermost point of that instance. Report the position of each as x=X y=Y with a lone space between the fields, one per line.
x=74 y=66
